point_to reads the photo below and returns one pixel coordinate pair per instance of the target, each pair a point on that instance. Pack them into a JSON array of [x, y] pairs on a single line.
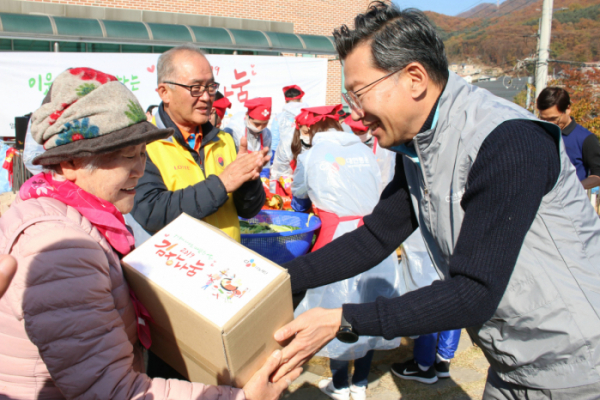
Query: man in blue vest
[[581, 145], [505, 220]]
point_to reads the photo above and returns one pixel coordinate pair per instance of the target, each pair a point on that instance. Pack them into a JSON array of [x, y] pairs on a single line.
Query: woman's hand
[[8, 267], [261, 388]]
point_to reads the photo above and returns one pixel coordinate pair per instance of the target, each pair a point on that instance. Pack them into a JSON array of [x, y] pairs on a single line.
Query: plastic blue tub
[[265, 173], [281, 247]]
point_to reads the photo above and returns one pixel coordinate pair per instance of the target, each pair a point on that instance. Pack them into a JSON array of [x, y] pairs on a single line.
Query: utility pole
[[541, 72], [528, 101]]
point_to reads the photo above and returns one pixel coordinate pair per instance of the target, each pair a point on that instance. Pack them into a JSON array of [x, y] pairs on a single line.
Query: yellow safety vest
[[179, 170]]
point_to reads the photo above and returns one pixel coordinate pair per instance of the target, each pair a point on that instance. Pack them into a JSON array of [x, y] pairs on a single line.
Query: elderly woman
[[68, 325]]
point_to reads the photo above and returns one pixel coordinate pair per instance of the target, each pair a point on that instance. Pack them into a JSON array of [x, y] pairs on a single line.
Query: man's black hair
[[291, 93], [218, 95], [397, 38], [151, 108], [554, 96]]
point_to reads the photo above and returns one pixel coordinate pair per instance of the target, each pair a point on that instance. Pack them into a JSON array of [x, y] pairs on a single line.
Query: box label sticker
[[212, 274]]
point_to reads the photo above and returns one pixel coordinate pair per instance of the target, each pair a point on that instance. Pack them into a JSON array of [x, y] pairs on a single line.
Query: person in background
[[341, 178], [220, 106], [8, 268], [285, 123], [582, 146], [432, 354], [150, 112], [252, 126], [293, 95], [70, 326], [385, 159], [197, 170], [302, 140]]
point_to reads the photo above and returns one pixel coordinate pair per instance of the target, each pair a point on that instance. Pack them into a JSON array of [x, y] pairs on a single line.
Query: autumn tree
[[583, 85]]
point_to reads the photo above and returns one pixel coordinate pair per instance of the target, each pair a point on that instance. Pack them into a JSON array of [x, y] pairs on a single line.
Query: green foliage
[[575, 14], [521, 98], [532, 22], [557, 48]]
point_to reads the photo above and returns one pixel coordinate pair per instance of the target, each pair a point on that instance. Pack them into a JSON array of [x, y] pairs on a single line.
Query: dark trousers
[[339, 371]]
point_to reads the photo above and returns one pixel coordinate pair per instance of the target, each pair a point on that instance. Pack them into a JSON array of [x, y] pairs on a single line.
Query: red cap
[[221, 105], [356, 126], [259, 108], [299, 97], [310, 116]]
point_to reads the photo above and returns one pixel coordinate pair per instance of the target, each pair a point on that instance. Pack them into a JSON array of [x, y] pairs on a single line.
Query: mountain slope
[[478, 11], [500, 36]]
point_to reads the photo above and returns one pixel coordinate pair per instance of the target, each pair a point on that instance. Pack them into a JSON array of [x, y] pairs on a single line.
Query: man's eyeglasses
[[554, 120], [351, 98], [198, 90]]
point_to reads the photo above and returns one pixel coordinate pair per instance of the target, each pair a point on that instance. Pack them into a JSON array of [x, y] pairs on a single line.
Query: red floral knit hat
[[89, 112]]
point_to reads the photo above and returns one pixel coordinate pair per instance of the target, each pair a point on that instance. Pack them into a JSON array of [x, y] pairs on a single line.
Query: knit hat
[[312, 115], [298, 97], [89, 112], [356, 126], [221, 105], [259, 108]]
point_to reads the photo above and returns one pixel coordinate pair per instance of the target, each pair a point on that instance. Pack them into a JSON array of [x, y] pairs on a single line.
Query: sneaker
[[442, 369], [326, 386], [358, 392], [410, 370]]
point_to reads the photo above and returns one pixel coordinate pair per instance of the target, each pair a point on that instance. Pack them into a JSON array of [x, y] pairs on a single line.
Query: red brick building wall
[[313, 17]]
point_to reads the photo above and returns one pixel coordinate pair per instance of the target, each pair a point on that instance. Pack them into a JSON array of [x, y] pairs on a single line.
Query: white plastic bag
[[417, 269], [5, 185], [340, 175], [283, 155], [387, 164], [31, 151]]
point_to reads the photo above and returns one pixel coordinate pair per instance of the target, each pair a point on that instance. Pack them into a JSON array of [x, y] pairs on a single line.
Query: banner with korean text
[[26, 77]]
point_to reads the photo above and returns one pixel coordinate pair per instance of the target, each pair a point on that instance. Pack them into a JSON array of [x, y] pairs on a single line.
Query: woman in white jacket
[[340, 177]]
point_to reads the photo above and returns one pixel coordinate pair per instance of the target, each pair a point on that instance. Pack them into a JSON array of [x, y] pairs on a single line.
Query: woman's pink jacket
[[67, 324]]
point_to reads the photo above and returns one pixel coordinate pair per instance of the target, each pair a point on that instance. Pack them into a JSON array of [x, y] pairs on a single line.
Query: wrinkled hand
[[313, 329], [246, 167], [8, 267], [260, 388]]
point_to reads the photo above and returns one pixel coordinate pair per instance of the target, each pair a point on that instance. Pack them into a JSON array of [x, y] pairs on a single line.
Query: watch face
[[347, 336]]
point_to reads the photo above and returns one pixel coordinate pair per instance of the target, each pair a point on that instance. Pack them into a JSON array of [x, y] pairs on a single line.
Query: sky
[[453, 7]]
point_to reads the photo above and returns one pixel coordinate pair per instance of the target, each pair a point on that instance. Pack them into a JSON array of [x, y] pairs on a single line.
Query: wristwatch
[[346, 334]]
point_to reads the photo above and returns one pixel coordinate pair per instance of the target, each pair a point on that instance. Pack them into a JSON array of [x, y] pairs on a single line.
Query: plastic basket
[[265, 173], [281, 247]]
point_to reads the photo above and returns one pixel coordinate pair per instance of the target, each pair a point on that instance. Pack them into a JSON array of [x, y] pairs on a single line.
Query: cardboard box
[[215, 303], [6, 200]]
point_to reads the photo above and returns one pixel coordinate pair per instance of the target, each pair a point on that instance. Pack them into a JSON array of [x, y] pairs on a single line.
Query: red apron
[[278, 188], [329, 224]]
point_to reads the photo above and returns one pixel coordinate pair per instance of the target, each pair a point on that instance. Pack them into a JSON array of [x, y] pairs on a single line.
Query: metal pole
[[56, 47], [541, 75], [529, 84]]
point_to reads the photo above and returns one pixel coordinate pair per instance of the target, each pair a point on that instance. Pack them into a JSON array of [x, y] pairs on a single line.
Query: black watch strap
[[346, 334]]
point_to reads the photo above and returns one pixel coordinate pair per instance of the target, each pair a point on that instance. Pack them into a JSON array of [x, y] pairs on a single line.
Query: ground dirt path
[[468, 370]]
